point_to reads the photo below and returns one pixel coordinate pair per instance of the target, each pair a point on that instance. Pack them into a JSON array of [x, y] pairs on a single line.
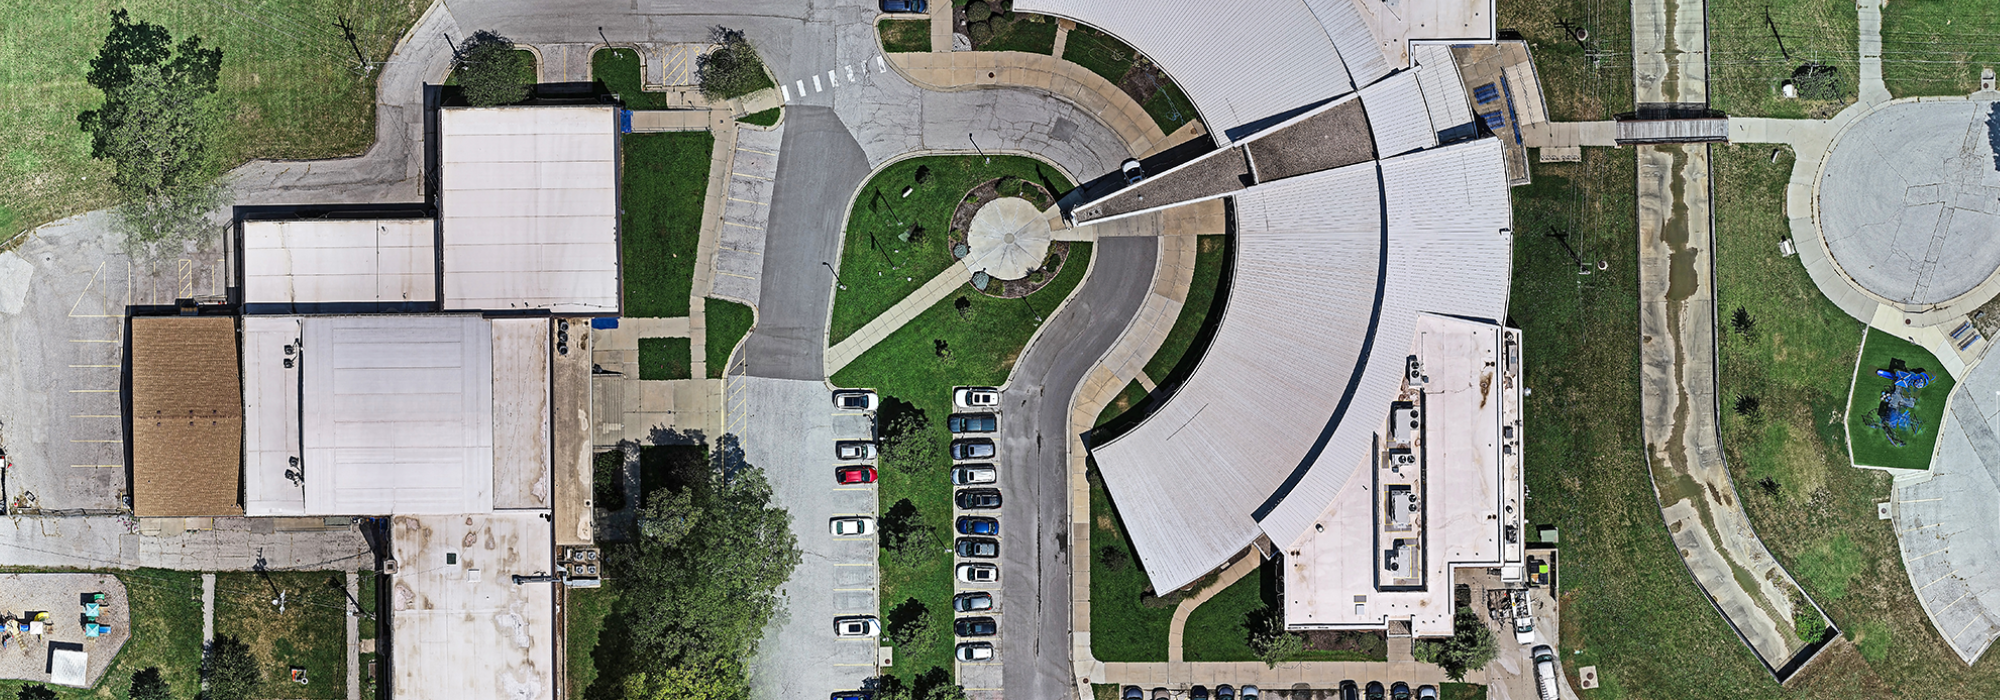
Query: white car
[[853, 527], [974, 474], [975, 651], [854, 400], [976, 397], [858, 626], [978, 573], [853, 449]]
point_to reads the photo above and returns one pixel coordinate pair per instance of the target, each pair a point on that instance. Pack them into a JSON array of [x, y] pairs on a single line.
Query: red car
[[854, 475]]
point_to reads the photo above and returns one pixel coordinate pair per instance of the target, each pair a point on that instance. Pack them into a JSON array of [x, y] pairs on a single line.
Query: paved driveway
[[818, 169]]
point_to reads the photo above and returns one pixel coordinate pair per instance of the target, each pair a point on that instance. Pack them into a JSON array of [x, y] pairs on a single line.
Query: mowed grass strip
[[665, 358], [618, 70], [981, 346], [877, 267], [585, 622], [310, 633], [904, 35], [1130, 396], [1099, 52], [1126, 622], [1022, 32], [1938, 47], [291, 87], [1748, 68], [665, 178], [1195, 310], [1871, 445], [728, 322], [1578, 83]]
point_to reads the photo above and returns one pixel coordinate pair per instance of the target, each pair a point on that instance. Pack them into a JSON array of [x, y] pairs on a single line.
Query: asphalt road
[[818, 167], [1035, 582]]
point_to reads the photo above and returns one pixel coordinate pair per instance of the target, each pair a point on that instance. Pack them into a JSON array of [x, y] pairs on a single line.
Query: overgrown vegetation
[[588, 611], [1582, 51], [1938, 47], [309, 631], [895, 243], [157, 128], [767, 117], [904, 35], [665, 358], [664, 180], [1469, 647], [728, 322], [732, 69], [1815, 50], [1131, 72], [491, 71]]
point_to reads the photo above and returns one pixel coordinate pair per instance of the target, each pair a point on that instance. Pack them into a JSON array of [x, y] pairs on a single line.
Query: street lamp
[[975, 148]]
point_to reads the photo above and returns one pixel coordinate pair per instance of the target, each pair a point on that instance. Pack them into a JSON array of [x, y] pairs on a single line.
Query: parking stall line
[[816, 86], [881, 67], [831, 80]]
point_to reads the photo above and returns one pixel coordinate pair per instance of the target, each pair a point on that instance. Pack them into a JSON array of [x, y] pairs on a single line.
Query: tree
[[732, 68], [148, 685], [669, 517], [157, 128], [489, 70], [35, 692], [229, 670], [908, 445], [1268, 637], [910, 623], [685, 684], [1468, 648]]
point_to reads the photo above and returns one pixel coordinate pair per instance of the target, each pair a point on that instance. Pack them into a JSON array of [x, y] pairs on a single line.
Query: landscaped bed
[[664, 179], [767, 117], [878, 267], [1126, 68], [309, 633], [665, 358], [1894, 421]]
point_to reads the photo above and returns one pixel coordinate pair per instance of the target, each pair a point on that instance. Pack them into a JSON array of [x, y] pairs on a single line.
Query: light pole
[[975, 148]]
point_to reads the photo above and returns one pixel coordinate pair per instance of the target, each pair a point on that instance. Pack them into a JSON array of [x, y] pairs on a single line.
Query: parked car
[[1399, 691], [978, 573], [1134, 172], [972, 602], [1545, 671], [853, 527], [853, 695], [1162, 694], [1248, 692], [978, 547], [917, 6], [976, 448], [1349, 691], [1375, 690], [975, 525], [854, 400], [854, 475], [979, 499], [1199, 692], [972, 422], [853, 449], [1132, 692], [975, 627], [856, 626], [1427, 692], [968, 474], [976, 397], [1224, 692], [975, 651]]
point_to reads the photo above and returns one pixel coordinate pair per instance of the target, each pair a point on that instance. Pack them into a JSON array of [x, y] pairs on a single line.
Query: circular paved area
[[1909, 201], [1008, 237]]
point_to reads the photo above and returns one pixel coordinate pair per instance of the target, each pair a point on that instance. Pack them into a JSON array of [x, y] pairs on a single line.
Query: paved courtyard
[[1948, 519], [1910, 197]]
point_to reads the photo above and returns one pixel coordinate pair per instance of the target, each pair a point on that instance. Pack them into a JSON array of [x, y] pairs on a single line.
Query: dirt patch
[[1142, 81], [1338, 640]]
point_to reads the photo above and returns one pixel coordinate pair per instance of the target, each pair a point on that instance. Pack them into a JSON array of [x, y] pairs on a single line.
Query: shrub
[[1113, 558], [733, 69], [978, 11], [489, 70], [148, 685], [1468, 648], [981, 32]]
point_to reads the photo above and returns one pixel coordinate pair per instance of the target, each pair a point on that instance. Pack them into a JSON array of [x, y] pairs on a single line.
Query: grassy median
[[728, 322]]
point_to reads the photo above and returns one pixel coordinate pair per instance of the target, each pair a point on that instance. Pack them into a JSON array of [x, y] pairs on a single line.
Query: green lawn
[[618, 71], [1210, 254], [1219, 630], [1170, 108], [1018, 32], [525, 69], [1937, 47], [310, 633], [367, 594], [1124, 401], [1871, 445], [904, 35], [767, 117], [1099, 52], [294, 93], [1747, 68], [728, 322], [587, 613], [162, 602], [665, 358], [982, 345], [877, 268], [1126, 624], [1575, 86], [1461, 691], [665, 179]]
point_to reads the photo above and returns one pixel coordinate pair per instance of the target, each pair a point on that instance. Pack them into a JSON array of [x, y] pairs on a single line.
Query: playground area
[[51, 619], [1897, 404]]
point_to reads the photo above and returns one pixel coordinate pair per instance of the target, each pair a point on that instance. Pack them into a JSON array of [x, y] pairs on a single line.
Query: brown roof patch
[[187, 417]]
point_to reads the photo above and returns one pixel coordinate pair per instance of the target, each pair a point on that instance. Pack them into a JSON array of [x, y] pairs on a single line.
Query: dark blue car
[[975, 525], [904, 6]]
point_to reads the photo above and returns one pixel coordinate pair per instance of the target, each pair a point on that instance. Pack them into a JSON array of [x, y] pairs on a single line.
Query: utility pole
[[1562, 237], [1576, 33], [347, 29], [1775, 34], [976, 149]]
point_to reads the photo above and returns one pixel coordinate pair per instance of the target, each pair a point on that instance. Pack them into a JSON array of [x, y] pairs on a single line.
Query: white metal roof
[[398, 415], [521, 413], [1244, 63], [463, 628], [1348, 28], [271, 415], [339, 261], [530, 208], [1397, 116], [1444, 91]]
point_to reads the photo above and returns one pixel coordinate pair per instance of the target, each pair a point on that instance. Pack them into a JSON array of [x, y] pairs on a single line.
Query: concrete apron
[[1670, 52], [1684, 455]]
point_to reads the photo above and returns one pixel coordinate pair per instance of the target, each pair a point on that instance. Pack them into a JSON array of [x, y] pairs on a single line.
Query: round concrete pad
[[1008, 238], [1910, 199]]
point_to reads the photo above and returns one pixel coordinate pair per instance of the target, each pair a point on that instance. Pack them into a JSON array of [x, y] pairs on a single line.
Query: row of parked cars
[[976, 484], [1348, 691], [854, 465]]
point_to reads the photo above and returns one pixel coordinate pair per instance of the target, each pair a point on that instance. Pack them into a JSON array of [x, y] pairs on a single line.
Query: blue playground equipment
[[1905, 378]]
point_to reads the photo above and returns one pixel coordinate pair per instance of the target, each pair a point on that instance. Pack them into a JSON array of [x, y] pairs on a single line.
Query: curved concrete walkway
[[1177, 630], [968, 70]]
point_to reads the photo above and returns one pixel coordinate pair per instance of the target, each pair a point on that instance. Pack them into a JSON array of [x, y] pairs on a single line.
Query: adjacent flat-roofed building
[[187, 416], [462, 627], [339, 265]]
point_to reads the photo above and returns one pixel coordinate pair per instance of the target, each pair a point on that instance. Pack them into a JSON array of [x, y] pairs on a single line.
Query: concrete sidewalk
[[1176, 631], [889, 321], [219, 544], [966, 70]]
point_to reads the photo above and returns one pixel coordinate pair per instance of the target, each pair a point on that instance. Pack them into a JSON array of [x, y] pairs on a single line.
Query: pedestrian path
[[941, 26], [1243, 566], [353, 637], [889, 321], [963, 70], [207, 608], [733, 259]]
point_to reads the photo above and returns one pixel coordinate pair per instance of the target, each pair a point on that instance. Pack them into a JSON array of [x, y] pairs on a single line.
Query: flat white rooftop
[[530, 206], [354, 264], [463, 628]]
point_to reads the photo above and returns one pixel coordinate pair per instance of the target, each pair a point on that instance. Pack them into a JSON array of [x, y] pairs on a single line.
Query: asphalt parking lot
[[788, 429], [62, 311]]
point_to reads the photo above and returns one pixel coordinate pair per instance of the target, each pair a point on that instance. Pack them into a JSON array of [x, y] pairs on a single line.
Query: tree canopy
[[229, 670], [732, 69], [489, 70], [157, 127], [148, 685], [1469, 648]]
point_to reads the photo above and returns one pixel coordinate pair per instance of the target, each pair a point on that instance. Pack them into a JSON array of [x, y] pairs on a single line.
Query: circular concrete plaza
[[1007, 238], [1909, 201]]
